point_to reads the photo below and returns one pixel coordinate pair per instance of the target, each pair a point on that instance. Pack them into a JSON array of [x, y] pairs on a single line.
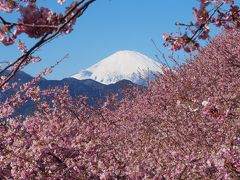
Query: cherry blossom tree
[[186, 125]]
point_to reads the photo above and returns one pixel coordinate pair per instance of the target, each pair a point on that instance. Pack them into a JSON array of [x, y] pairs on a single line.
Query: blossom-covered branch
[[37, 23], [219, 13]]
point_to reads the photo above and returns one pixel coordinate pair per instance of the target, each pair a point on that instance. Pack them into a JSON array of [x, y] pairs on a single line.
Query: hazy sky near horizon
[[107, 27]]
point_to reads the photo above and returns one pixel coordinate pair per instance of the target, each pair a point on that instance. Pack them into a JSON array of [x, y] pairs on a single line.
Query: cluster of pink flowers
[[220, 13], [34, 21], [34, 16]]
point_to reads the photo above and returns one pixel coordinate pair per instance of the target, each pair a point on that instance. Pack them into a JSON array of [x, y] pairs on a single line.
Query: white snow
[[129, 65]]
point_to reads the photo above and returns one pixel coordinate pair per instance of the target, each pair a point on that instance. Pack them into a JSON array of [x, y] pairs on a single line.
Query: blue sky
[[106, 27]]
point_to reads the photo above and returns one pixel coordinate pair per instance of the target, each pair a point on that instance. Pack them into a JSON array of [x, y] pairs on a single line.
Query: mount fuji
[[122, 65]]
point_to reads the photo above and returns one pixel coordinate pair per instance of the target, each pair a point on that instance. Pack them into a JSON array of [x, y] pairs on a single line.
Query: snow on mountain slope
[[129, 65]]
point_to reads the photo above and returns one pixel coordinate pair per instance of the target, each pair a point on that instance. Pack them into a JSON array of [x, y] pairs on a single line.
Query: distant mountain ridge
[[90, 88], [129, 65]]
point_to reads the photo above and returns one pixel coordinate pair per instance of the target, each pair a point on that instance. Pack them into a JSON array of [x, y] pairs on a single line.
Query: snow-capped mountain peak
[[129, 65]]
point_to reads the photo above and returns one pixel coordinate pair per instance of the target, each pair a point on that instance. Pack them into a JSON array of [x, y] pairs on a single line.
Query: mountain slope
[[129, 65]]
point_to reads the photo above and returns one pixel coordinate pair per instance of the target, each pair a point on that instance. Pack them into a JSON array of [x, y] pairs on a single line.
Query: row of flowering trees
[[186, 125]]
